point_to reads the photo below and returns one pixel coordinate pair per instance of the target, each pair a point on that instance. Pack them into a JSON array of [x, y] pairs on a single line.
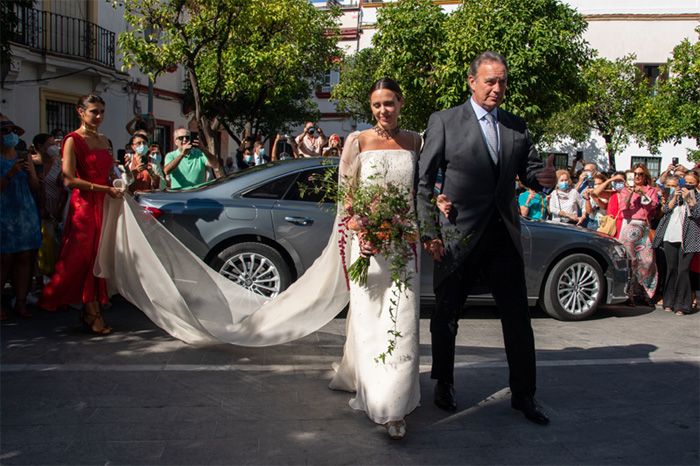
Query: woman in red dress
[[86, 170]]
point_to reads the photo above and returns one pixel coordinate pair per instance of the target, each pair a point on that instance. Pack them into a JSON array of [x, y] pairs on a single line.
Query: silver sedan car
[[261, 229]]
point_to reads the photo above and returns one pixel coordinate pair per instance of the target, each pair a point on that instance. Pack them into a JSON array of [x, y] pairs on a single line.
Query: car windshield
[[215, 181]]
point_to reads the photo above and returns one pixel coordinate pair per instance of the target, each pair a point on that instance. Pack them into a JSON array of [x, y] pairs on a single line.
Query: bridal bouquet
[[381, 218], [380, 215]]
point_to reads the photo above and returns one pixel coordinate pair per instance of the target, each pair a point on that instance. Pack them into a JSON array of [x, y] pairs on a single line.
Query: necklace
[[386, 133], [89, 131]]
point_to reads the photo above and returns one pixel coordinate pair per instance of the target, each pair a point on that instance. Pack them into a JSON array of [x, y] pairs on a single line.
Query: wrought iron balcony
[[62, 35]]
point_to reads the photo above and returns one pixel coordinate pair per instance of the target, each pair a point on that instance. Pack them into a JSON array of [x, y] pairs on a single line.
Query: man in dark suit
[[480, 149]]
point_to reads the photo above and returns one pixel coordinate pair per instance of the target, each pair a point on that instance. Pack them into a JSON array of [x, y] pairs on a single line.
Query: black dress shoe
[[445, 396], [532, 411]]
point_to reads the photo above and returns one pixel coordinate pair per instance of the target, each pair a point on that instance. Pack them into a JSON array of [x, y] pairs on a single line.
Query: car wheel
[[574, 288], [255, 266]]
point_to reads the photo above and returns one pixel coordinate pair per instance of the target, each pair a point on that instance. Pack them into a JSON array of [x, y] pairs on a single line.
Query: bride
[[146, 265]]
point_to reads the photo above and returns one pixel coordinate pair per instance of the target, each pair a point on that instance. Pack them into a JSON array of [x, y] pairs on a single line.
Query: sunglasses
[[10, 130], [182, 138], [638, 173]]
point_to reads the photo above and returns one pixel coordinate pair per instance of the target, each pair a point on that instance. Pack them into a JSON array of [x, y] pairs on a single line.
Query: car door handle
[[303, 221]]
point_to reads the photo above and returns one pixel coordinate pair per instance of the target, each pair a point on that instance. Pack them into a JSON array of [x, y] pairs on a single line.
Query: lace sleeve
[[349, 160]]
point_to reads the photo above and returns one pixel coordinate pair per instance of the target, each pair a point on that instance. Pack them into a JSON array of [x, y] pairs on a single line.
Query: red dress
[[73, 280]]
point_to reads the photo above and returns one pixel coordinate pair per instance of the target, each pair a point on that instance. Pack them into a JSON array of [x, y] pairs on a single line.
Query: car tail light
[[156, 213]]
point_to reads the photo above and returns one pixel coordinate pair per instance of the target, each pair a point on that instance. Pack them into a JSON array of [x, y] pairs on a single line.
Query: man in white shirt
[[311, 141]]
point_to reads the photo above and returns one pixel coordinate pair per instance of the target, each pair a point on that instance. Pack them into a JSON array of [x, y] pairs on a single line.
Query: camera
[[674, 161], [590, 183], [311, 130]]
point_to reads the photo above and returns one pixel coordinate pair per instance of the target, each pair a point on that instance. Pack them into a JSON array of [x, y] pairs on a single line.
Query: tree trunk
[[611, 152], [203, 122]]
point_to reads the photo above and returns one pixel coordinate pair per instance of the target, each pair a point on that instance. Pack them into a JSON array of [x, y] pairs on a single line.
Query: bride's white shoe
[[396, 429]]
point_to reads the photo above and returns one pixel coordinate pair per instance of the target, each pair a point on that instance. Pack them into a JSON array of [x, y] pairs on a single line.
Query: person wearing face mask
[[595, 207], [566, 204], [259, 157], [634, 207], [247, 158], [156, 160], [678, 234], [145, 179], [607, 193], [20, 231], [589, 171], [52, 199]]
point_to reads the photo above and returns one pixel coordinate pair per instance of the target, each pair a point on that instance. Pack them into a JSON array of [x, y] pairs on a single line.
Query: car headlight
[[619, 252]]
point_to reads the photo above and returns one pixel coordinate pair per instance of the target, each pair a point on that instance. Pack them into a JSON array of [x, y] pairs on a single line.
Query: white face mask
[[141, 149], [53, 151]]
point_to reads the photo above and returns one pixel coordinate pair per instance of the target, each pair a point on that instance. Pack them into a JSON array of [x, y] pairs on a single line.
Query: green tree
[[406, 47], [249, 63], [673, 112], [429, 53], [543, 43], [615, 90]]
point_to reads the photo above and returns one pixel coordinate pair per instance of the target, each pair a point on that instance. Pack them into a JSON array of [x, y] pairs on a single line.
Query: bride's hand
[[366, 249], [435, 248], [114, 193], [444, 204]]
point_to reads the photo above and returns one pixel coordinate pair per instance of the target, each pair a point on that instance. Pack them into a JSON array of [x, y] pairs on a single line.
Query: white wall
[[650, 41]]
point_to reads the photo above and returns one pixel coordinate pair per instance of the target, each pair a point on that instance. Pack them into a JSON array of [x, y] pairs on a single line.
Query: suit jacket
[[477, 187]]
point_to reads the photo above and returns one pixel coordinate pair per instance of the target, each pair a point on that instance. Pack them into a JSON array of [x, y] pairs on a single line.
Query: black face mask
[[690, 187]]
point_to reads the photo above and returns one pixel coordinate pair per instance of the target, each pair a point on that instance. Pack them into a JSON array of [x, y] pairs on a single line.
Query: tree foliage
[[673, 112], [250, 63], [406, 47], [8, 28], [615, 90], [428, 52]]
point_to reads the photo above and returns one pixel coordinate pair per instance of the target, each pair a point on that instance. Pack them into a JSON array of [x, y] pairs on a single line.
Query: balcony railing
[[73, 37]]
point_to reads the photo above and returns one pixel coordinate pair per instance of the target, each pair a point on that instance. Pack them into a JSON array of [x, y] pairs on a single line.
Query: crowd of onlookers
[[657, 220], [43, 213]]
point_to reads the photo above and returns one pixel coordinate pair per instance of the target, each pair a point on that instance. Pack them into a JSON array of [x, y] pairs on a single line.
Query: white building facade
[[650, 29], [68, 48]]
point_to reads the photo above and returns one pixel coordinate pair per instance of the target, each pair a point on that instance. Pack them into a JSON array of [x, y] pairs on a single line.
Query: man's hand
[[444, 204], [547, 176], [186, 146], [435, 248]]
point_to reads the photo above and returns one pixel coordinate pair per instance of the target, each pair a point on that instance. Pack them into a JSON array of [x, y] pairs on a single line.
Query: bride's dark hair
[[387, 83]]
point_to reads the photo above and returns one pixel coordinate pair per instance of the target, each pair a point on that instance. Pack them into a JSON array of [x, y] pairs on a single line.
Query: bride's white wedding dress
[[149, 267]]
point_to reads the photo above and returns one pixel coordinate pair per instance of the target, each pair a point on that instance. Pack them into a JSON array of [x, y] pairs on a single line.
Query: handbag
[[608, 225]]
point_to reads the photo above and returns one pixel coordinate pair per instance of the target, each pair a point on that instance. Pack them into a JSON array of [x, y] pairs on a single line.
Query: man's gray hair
[[487, 56]]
